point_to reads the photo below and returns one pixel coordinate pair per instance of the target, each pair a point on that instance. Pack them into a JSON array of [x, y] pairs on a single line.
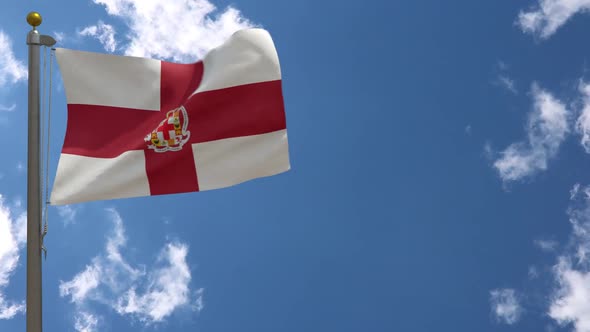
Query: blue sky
[[439, 175]]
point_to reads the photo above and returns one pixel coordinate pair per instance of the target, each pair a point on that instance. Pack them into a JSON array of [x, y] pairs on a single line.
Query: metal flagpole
[[34, 296]]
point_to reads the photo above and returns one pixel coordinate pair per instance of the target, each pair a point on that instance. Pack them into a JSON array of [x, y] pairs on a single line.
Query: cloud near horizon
[[569, 294], [105, 33], [13, 237], [546, 129], [146, 295], [570, 300], [583, 121], [11, 69], [505, 305], [547, 16]]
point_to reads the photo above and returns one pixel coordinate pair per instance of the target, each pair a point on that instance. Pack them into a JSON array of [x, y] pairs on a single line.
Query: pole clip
[[34, 38], [43, 240]]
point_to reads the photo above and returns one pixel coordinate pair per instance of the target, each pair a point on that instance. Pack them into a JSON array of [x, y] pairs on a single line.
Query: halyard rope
[[46, 140]]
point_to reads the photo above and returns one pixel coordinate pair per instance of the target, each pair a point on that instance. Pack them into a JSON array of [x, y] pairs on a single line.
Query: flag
[[141, 127]]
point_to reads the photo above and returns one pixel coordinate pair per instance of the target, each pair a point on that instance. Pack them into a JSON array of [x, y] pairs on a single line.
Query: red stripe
[[171, 172], [174, 171], [106, 132], [178, 82], [243, 110]]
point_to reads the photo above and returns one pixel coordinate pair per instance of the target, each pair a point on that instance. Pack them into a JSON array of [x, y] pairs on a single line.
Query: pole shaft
[[34, 291]]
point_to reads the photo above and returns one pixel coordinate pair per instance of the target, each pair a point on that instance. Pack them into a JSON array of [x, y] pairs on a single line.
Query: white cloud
[[549, 15], [488, 151], [176, 29], [570, 302], [149, 296], [13, 237], [546, 245], [505, 305], [86, 322], [583, 122], [116, 263], [546, 129], [105, 33], [59, 36], [569, 296], [507, 83], [9, 310], [579, 217], [167, 288], [82, 284], [199, 304], [10, 108], [575, 190], [11, 69], [67, 213]]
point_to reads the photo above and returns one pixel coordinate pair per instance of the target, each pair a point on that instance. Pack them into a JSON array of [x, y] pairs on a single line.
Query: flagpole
[[34, 290]]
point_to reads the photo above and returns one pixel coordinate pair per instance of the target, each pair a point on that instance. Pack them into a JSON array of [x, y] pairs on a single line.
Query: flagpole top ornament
[[34, 19]]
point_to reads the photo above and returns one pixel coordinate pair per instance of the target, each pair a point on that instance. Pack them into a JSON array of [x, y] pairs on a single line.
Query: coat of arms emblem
[[171, 134]]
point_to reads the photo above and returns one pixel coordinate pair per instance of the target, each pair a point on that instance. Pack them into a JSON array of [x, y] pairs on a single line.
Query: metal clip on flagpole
[[34, 298]]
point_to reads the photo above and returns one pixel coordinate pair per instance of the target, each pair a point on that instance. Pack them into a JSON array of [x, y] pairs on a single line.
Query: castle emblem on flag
[[171, 134]]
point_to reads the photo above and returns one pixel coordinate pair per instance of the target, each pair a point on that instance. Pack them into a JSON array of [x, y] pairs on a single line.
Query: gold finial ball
[[34, 19]]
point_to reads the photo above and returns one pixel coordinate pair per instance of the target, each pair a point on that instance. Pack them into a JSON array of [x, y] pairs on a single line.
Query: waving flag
[[140, 127]]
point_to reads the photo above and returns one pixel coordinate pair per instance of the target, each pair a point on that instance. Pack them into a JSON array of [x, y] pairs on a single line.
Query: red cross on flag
[[140, 127]]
